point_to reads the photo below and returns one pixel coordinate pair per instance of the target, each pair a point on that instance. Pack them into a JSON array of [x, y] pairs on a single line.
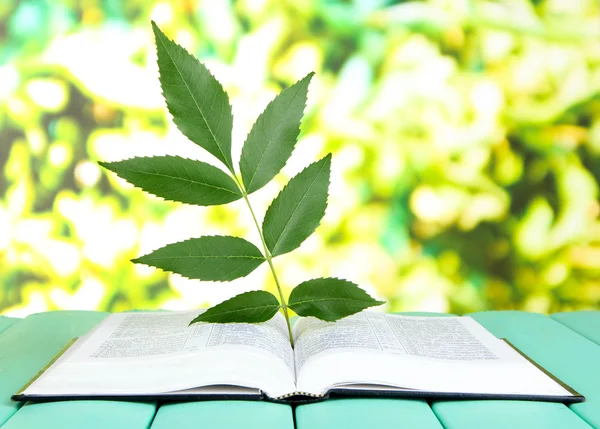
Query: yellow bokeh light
[[50, 94], [465, 148]]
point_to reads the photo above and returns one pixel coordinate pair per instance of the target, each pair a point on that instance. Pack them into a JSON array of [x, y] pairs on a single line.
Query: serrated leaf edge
[[235, 311], [229, 166], [374, 301], [249, 184], [106, 165], [334, 299], [262, 257], [302, 199]]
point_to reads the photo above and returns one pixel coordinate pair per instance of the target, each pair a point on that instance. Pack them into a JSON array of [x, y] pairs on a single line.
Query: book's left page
[[157, 353]]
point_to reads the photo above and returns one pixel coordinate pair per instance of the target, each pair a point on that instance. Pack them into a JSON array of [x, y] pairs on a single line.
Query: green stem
[[269, 259]]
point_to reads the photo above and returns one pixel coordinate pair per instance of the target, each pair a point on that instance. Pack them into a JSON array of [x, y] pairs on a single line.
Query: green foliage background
[[466, 141]]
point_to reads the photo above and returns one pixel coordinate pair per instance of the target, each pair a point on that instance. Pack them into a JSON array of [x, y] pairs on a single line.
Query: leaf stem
[[269, 261]]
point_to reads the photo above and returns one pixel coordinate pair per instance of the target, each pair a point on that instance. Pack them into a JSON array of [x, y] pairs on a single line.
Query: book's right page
[[433, 354]]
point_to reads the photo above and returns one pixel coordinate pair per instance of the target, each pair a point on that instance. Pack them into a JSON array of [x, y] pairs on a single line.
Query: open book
[[155, 355]]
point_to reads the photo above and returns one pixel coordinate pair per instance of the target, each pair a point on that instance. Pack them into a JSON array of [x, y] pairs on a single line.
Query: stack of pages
[[156, 355]]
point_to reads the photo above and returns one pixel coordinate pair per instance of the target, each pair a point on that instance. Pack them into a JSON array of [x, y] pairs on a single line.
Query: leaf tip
[[326, 162], [308, 77], [198, 319], [155, 27]]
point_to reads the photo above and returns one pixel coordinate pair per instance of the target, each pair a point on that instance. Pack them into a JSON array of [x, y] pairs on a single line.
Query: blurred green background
[[466, 141]]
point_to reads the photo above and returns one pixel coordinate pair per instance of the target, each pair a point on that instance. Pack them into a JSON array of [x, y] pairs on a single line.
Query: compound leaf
[[273, 137], [329, 299], [250, 307], [197, 101], [178, 179], [298, 209], [212, 258]]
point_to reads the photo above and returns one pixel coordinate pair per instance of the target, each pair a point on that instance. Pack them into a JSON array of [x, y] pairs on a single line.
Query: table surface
[[567, 344]]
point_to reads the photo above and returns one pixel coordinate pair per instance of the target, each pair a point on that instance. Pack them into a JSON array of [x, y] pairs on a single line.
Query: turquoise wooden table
[[567, 344]]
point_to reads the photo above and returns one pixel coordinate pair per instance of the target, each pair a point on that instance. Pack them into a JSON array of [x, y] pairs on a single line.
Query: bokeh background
[[465, 134]]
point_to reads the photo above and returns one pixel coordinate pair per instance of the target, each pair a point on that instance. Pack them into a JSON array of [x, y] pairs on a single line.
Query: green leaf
[[250, 307], [298, 209], [329, 299], [215, 258], [273, 137], [197, 101], [178, 179]]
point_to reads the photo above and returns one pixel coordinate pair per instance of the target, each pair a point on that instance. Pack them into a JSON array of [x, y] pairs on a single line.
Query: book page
[[442, 354], [139, 335], [151, 352], [446, 338]]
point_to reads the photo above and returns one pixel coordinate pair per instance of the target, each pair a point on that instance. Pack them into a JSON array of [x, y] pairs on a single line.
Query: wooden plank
[[586, 323], [506, 415], [26, 347], [568, 355], [6, 322], [366, 413], [224, 414], [82, 414], [538, 341]]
